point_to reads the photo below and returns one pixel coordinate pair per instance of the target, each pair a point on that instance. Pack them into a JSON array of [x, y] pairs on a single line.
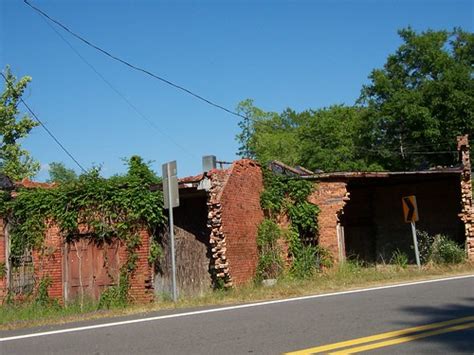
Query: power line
[[137, 68], [122, 96], [44, 126]]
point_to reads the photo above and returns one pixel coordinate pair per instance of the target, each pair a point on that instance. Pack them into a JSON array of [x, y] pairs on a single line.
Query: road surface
[[424, 317]]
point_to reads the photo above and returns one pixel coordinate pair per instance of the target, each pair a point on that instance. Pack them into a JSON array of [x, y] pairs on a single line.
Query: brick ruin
[[467, 210], [227, 204], [234, 216]]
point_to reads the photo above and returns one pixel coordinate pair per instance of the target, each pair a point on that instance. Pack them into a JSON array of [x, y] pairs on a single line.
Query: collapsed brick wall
[[330, 197], [467, 208], [3, 275], [235, 214], [217, 239]]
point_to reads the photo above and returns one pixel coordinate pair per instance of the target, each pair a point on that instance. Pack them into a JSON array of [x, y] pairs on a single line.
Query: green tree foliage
[[329, 140], [420, 100], [407, 117], [60, 174], [324, 139], [15, 162], [264, 133]]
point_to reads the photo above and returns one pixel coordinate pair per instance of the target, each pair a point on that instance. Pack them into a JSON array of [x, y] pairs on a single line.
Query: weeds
[[400, 259]]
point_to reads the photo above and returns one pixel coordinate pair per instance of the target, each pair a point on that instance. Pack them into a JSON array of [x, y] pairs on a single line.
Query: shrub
[[304, 262], [425, 241], [270, 263], [446, 251], [399, 258]]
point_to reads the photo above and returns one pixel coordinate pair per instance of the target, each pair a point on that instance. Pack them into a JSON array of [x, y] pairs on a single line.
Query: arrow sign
[[410, 209]]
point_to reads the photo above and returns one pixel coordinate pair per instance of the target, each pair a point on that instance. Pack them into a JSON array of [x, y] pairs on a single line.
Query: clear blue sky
[[298, 54]]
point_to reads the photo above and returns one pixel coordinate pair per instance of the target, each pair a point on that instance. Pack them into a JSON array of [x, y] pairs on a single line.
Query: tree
[[420, 100], [267, 136], [60, 174], [328, 140], [324, 139], [15, 162]]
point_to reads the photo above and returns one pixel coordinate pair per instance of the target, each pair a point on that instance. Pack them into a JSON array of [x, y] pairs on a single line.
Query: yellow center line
[[380, 336], [404, 339]]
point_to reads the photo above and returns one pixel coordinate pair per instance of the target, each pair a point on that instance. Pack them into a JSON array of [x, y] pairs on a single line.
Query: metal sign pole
[[171, 223], [415, 243]]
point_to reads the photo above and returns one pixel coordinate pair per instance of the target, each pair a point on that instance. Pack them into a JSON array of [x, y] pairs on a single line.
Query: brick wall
[[330, 197], [3, 279], [241, 215], [48, 262], [141, 281]]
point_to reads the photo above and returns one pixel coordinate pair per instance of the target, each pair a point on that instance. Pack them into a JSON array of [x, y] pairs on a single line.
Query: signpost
[[410, 213], [171, 200]]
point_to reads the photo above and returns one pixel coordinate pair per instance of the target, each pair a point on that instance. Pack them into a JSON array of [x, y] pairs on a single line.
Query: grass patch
[[351, 275]]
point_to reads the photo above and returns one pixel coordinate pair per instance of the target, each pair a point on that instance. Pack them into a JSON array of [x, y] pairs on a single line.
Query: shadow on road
[[456, 342]]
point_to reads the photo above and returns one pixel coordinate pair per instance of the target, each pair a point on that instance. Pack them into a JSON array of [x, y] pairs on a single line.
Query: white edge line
[[223, 309]]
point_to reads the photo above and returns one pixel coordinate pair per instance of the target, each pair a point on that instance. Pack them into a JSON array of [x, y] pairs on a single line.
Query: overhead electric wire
[[45, 128], [122, 96], [133, 66]]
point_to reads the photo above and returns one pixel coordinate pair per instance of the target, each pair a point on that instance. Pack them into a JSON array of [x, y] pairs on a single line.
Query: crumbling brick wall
[[235, 214], [467, 208], [330, 197], [3, 276]]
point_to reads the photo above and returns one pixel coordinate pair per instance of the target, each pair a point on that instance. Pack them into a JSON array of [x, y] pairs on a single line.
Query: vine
[[284, 195], [92, 206]]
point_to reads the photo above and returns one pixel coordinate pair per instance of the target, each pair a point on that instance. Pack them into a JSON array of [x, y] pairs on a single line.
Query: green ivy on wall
[[288, 196], [118, 207]]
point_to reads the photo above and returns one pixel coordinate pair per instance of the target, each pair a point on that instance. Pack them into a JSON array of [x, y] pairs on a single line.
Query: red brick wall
[[141, 286], [48, 262], [241, 215], [330, 197]]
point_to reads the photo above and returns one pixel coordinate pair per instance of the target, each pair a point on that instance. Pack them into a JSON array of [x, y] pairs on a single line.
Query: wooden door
[[90, 269]]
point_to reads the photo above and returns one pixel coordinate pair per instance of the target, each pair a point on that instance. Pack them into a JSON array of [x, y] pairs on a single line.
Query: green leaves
[[421, 100], [116, 207], [15, 162]]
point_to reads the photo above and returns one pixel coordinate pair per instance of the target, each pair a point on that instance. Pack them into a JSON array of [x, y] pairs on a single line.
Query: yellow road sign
[[410, 209]]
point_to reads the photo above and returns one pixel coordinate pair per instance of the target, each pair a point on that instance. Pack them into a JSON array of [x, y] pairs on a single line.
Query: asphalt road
[[273, 328]]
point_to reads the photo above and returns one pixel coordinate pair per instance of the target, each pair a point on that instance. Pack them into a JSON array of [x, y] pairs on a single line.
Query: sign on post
[[410, 209], [170, 185], [410, 213], [171, 200]]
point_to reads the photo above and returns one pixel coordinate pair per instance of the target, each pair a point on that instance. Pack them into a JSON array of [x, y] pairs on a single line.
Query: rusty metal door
[[90, 268]]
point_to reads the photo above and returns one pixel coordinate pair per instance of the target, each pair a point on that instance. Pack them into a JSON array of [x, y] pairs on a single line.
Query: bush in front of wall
[[270, 262], [446, 251]]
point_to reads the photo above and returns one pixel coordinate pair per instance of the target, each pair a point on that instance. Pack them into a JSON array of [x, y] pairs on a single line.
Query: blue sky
[[298, 54]]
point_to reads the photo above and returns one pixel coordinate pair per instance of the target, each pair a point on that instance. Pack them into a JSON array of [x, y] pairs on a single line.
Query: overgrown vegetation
[[446, 251], [270, 262], [115, 208], [439, 249], [286, 196], [400, 259]]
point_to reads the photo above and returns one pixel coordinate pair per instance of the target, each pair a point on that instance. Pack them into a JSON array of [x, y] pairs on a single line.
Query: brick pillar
[[467, 209], [3, 274], [331, 198], [141, 280], [48, 262]]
